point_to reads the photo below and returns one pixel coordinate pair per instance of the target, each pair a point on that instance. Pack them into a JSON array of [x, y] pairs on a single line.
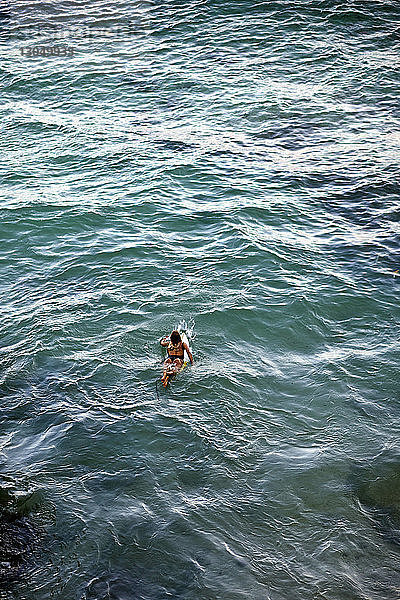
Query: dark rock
[[376, 485], [18, 534]]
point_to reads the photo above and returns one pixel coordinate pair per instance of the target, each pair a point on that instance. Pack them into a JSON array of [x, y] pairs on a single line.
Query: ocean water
[[231, 167]]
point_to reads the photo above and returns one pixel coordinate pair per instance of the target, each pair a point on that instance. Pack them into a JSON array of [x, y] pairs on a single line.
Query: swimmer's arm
[[164, 341], [186, 347]]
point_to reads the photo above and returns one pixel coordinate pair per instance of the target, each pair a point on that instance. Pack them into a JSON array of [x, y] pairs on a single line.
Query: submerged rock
[[18, 534], [377, 487], [16, 545]]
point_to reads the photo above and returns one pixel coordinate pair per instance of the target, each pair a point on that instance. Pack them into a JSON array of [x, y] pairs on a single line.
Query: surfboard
[[186, 359]]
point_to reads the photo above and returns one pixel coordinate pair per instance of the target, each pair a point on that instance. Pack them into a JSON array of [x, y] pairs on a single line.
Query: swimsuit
[[174, 356]]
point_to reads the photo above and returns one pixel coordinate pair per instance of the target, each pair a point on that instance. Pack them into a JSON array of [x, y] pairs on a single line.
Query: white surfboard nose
[[185, 341]]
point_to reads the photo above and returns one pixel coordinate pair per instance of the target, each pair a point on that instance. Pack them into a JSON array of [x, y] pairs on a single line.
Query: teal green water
[[232, 167]]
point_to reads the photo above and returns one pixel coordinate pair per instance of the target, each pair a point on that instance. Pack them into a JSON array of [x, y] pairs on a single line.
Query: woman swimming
[[174, 361]]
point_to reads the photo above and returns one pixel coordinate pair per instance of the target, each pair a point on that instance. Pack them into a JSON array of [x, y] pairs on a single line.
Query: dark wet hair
[[175, 337]]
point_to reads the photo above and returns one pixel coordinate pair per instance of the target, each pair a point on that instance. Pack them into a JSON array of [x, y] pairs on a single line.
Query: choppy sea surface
[[231, 167]]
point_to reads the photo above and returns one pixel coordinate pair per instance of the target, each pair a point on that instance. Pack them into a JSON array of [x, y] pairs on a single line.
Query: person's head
[[175, 337]]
